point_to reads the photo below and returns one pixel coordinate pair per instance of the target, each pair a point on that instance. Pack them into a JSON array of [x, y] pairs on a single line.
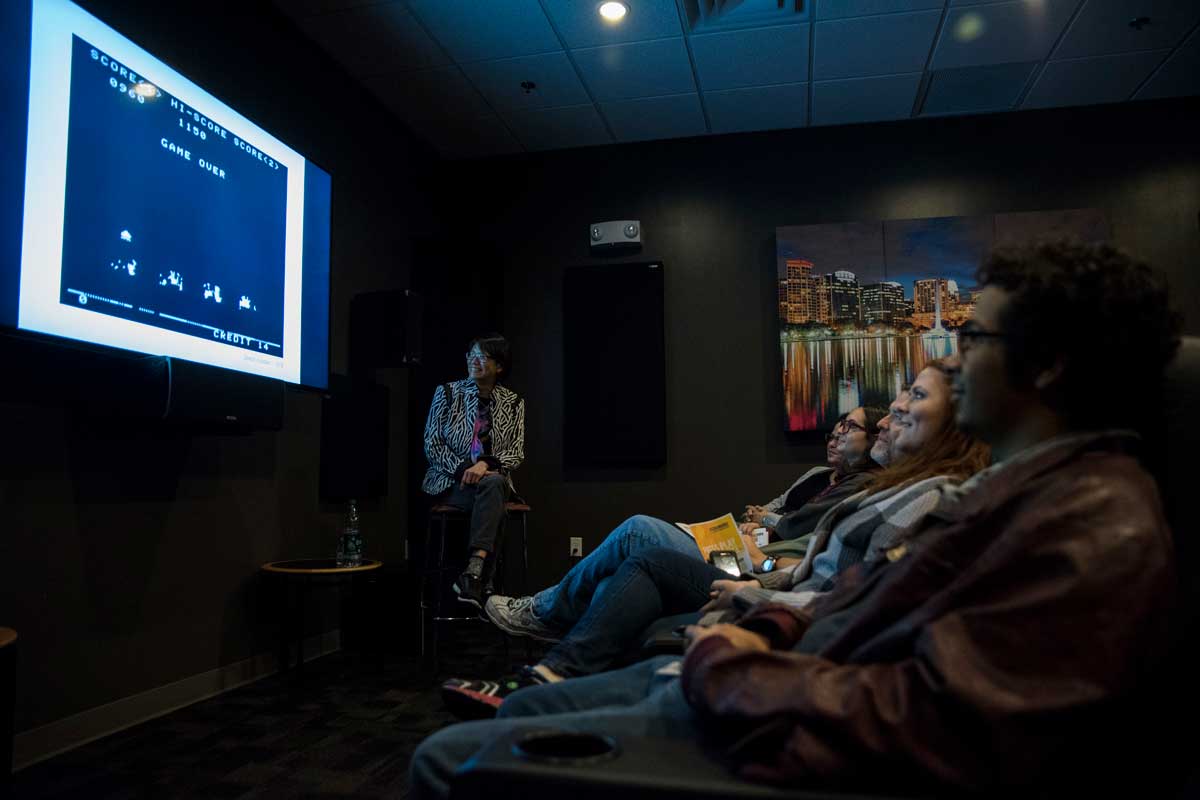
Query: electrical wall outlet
[[577, 546]]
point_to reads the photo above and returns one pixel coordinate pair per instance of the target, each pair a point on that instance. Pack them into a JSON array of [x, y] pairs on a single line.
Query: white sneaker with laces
[[514, 616]]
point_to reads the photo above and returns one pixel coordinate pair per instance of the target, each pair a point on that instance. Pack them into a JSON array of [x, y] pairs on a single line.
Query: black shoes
[[469, 589]]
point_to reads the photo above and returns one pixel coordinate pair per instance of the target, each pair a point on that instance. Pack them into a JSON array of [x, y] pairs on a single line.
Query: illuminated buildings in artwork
[[845, 298], [926, 297], [800, 297], [883, 302]]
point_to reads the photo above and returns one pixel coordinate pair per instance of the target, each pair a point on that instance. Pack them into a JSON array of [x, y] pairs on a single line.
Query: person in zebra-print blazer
[[474, 439]]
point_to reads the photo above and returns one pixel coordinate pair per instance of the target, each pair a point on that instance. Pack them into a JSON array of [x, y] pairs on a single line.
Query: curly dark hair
[[1105, 315]]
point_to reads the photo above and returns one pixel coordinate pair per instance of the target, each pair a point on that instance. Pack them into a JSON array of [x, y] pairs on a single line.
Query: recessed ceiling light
[[613, 12]]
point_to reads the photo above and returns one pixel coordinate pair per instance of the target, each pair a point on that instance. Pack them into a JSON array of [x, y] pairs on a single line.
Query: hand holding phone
[[726, 561]]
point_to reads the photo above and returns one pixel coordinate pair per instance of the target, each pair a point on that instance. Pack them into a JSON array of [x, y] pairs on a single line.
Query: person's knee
[[491, 483], [533, 701], [439, 755], [516, 705], [636, 527]]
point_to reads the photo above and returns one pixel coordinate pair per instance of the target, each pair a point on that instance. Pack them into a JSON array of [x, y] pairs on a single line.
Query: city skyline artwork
[[863, 306]]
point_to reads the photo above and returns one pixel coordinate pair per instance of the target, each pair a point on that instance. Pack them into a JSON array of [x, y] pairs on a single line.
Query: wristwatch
[[768, 564]]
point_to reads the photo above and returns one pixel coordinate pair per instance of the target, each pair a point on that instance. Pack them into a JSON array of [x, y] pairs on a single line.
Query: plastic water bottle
[[350, 544]]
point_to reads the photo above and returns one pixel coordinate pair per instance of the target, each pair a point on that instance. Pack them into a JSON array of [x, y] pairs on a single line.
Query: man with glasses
[[474, 439]]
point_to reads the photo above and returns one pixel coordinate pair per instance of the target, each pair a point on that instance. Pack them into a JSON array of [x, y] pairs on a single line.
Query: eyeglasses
[[477, 356], [844, 428], [971, 335]]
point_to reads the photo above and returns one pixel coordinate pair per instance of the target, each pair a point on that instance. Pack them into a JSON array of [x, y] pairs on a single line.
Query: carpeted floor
[[346, 730]]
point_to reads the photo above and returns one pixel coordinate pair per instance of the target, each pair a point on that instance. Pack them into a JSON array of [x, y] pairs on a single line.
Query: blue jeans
[[630, 702], [650, 584], [565, 603]]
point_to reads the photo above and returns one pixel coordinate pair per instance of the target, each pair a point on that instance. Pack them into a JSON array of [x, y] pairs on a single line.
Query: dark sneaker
[[514, 616], [469, 589], [479, 699]]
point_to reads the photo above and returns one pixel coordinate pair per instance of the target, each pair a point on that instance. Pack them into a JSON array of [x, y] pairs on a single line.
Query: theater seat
[[1150, 753]]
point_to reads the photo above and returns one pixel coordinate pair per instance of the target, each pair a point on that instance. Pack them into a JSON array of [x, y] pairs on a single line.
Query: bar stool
[[435, 573]]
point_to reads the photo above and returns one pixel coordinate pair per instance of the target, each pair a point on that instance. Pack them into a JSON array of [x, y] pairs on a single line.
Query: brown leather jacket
[[1005, 633]]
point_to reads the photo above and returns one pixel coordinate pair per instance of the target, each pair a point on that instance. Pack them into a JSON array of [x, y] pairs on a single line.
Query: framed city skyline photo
[[863, 306]]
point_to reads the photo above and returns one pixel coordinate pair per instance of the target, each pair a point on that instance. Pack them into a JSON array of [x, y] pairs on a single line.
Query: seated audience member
[[789, 546], [927, 452], [474, 439], [848, 452], [555, 610], [989, 653]]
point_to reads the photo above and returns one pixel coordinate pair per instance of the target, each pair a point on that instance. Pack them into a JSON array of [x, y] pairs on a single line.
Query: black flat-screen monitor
[[140, 212]]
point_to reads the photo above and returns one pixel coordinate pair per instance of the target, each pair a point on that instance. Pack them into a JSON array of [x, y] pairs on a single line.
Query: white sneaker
[[514, 616]]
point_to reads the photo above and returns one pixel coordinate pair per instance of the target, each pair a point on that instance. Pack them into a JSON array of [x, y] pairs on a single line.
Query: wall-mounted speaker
[[385, 330], [621, 234]]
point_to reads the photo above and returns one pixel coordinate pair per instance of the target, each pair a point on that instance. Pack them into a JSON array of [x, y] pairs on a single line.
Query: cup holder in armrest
[[565, 748]]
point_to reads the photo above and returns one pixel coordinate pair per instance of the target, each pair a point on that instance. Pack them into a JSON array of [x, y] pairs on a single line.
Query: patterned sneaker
[[479, 699], [514, 616]]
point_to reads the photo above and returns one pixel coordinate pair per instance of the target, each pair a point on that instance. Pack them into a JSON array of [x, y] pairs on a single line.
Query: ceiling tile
[[434, 93], [1001, 33], [551, 128], [552, 73], [711, 16], [886, 45], [990, 88], [656, 117], [581, 25], [1179, 76], [864, 99], [841, 9], [1102, 27], [644, 69], [759, 108], [375, 39], [468, 138], [758, 57], [1083, 81], [474, 31]]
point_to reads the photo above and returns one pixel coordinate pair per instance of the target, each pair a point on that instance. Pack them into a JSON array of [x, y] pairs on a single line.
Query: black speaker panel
[[385, 330], [614, 370]]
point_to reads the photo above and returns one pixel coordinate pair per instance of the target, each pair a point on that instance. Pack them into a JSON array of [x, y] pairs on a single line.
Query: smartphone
[[726, 561]]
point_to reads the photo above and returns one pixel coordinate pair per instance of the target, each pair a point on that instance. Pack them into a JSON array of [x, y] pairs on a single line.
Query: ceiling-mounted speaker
[[621, 234]]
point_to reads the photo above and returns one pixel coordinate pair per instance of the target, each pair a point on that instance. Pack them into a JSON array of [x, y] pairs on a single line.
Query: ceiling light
[[613, 12], [970, 27]]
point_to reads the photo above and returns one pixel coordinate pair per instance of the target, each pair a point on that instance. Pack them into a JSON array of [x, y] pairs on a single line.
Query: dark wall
[[129, 553], [709, 209]]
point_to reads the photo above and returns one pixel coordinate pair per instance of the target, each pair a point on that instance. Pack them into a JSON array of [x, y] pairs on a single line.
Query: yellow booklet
[[719, 534]]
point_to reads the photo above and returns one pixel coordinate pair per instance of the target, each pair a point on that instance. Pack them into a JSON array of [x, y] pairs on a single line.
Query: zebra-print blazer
[[451, 427]]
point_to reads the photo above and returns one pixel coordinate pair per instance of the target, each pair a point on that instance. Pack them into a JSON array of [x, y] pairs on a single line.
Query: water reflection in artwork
[[825, 378]]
